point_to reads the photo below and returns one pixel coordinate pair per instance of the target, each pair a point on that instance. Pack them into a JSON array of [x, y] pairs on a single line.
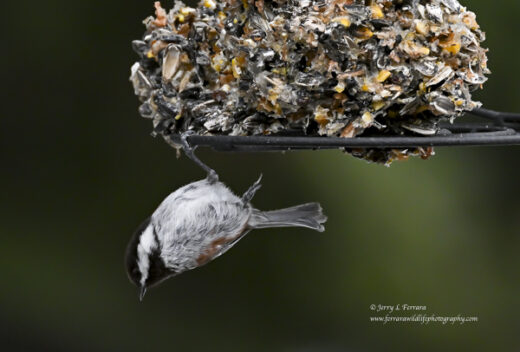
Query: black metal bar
[[504, 130], [251, 143]]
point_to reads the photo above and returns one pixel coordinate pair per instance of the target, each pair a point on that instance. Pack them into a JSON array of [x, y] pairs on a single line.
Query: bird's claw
[[250, 193], [190, 153]]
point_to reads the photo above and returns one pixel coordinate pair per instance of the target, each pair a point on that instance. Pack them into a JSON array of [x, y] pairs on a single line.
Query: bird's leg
[[190, 153], [250, 193]]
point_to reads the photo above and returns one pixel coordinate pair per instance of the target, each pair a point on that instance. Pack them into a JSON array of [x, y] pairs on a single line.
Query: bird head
[[144, 265]]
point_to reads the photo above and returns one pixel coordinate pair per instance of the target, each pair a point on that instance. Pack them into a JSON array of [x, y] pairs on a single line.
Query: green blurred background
[[80, 171]]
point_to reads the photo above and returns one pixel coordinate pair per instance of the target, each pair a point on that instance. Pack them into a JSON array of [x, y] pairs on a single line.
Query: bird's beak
[[142, 291]]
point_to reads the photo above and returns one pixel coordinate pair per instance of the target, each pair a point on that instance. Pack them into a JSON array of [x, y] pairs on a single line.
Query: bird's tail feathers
[[308, 215]]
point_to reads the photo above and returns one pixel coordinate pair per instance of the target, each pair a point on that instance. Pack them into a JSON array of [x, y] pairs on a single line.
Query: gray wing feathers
[[184, 238], [308, 215]]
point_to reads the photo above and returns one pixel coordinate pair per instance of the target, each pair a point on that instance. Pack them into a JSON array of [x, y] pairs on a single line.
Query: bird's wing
[[230, 228], [202, 231]]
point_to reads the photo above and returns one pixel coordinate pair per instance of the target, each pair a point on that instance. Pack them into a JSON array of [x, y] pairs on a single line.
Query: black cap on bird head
[[144, 265]]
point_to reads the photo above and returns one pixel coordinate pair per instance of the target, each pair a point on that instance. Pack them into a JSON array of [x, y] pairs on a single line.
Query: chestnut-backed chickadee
[[199, 222]]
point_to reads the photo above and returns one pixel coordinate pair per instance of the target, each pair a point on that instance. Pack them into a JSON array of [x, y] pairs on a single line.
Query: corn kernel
[[377, 13], [424, 51], [454, 48], [383, 75], [210, 4], [343, 20]]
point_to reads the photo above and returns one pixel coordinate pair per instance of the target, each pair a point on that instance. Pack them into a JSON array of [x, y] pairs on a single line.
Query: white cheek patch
[[147, 240], [143, 263], [146, 245]]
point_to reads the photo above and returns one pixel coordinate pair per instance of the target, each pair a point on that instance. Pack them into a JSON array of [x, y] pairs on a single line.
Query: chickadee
[[199, 222]]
